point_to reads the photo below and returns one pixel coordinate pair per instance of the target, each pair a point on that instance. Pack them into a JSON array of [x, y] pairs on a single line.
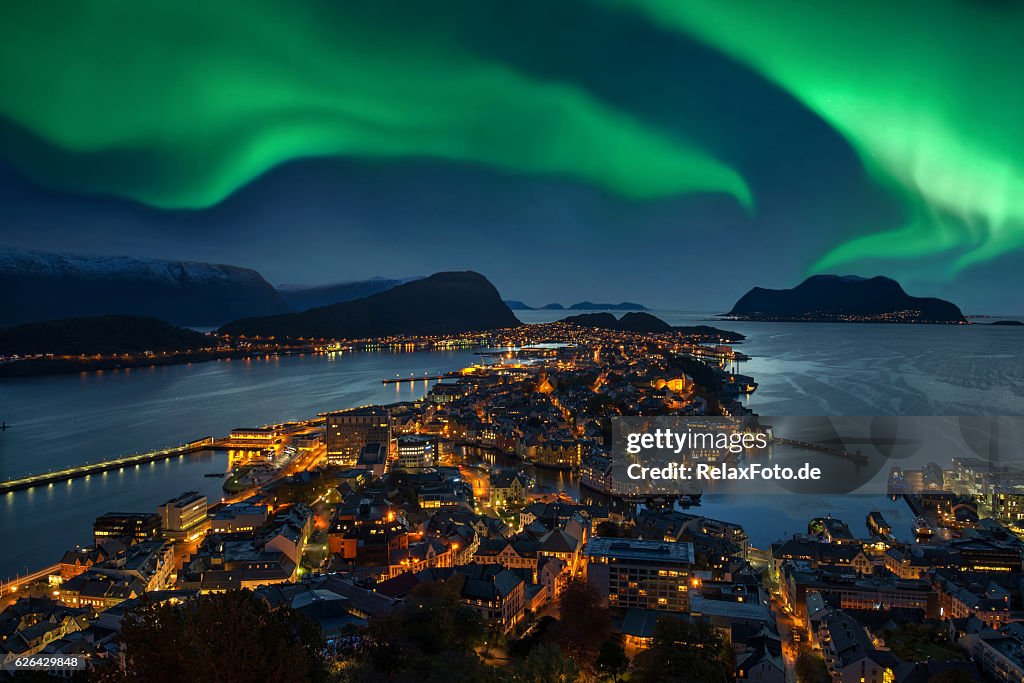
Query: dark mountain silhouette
[[838, 298], [645, 323], [581, 306], [303, 298], [106, 334], [591, 306], [44, 286], [443, 303], [605, 321]]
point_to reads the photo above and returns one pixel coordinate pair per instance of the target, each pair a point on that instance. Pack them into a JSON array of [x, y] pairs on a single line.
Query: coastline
[[38, 367]]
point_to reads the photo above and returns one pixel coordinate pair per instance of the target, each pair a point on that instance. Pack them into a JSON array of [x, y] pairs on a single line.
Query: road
[[11, 590]]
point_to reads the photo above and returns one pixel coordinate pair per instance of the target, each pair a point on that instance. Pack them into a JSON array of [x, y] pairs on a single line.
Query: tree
[[584, 622], [611, 660], [547, 664], [684, 652], [810, 668], [225, 637], [431, 637]]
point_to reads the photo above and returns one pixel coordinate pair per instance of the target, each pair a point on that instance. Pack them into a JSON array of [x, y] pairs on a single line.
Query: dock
[[419, 378], [46, 478], [855, 456]]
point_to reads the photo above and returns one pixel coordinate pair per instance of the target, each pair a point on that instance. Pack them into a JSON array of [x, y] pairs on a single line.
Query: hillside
[[304, 298], [48, 286], [108, 334], [645, 323], [443, 303], [834, 298]]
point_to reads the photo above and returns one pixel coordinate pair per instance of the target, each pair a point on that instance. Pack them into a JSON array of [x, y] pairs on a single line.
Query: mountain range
[[41, 286]]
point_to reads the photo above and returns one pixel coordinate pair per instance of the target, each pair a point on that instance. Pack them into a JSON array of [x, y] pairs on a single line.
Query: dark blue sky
[[539, 237]]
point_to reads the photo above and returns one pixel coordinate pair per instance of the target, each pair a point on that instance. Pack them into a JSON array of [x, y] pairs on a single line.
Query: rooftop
[[634, 549]]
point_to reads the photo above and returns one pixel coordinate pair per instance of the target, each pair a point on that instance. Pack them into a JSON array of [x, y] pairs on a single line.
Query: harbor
[[89, 469]]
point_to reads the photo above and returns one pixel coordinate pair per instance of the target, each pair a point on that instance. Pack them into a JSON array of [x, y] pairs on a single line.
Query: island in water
[[844, 298]]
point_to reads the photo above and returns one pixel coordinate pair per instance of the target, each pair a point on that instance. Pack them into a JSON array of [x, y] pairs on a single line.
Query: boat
[[922, 528], [878, 526], [219, 475], [689, 499], [743, 384]]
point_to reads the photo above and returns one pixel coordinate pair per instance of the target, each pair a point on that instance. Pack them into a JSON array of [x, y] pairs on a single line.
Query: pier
[[420, 378], [856, 455], [46, 478]]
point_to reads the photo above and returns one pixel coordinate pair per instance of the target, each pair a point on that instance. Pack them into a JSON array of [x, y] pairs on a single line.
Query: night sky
[[672, 153]]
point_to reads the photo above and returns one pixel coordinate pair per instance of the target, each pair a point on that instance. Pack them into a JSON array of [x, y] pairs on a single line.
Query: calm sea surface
[[802, 369]]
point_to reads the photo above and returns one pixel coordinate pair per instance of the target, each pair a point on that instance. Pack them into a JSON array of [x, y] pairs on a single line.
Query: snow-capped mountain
[[45, 286]]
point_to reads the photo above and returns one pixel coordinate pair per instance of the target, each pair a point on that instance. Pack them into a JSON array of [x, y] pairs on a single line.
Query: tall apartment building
[[348, 431], [645, 574], [416, 451], [182, 517], [129, 527]]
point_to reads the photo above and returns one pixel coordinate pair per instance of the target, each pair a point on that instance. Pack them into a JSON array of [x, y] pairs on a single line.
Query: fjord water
[[64, 420], [801, 368]]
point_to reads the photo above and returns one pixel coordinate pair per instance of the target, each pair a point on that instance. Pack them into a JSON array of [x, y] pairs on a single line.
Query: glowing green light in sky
[[178, 104], [929, 92]]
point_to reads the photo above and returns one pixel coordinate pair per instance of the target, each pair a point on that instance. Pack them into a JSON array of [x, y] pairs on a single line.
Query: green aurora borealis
[[931, 94], [216, 93], [179, 105]]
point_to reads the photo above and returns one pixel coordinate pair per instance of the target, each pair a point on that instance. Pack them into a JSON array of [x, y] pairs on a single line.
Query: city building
[[289, 532], [238, 518], [130, 527], [998, 653], [99, 591], [374, 459], [849, 653], [645, 574], [348, 431], [222, 565], [255, 438], [149, 562], [497, 594], [508, 487], [847, 589], [308, 441], [183, 517], [79, 560], [416, 451]]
